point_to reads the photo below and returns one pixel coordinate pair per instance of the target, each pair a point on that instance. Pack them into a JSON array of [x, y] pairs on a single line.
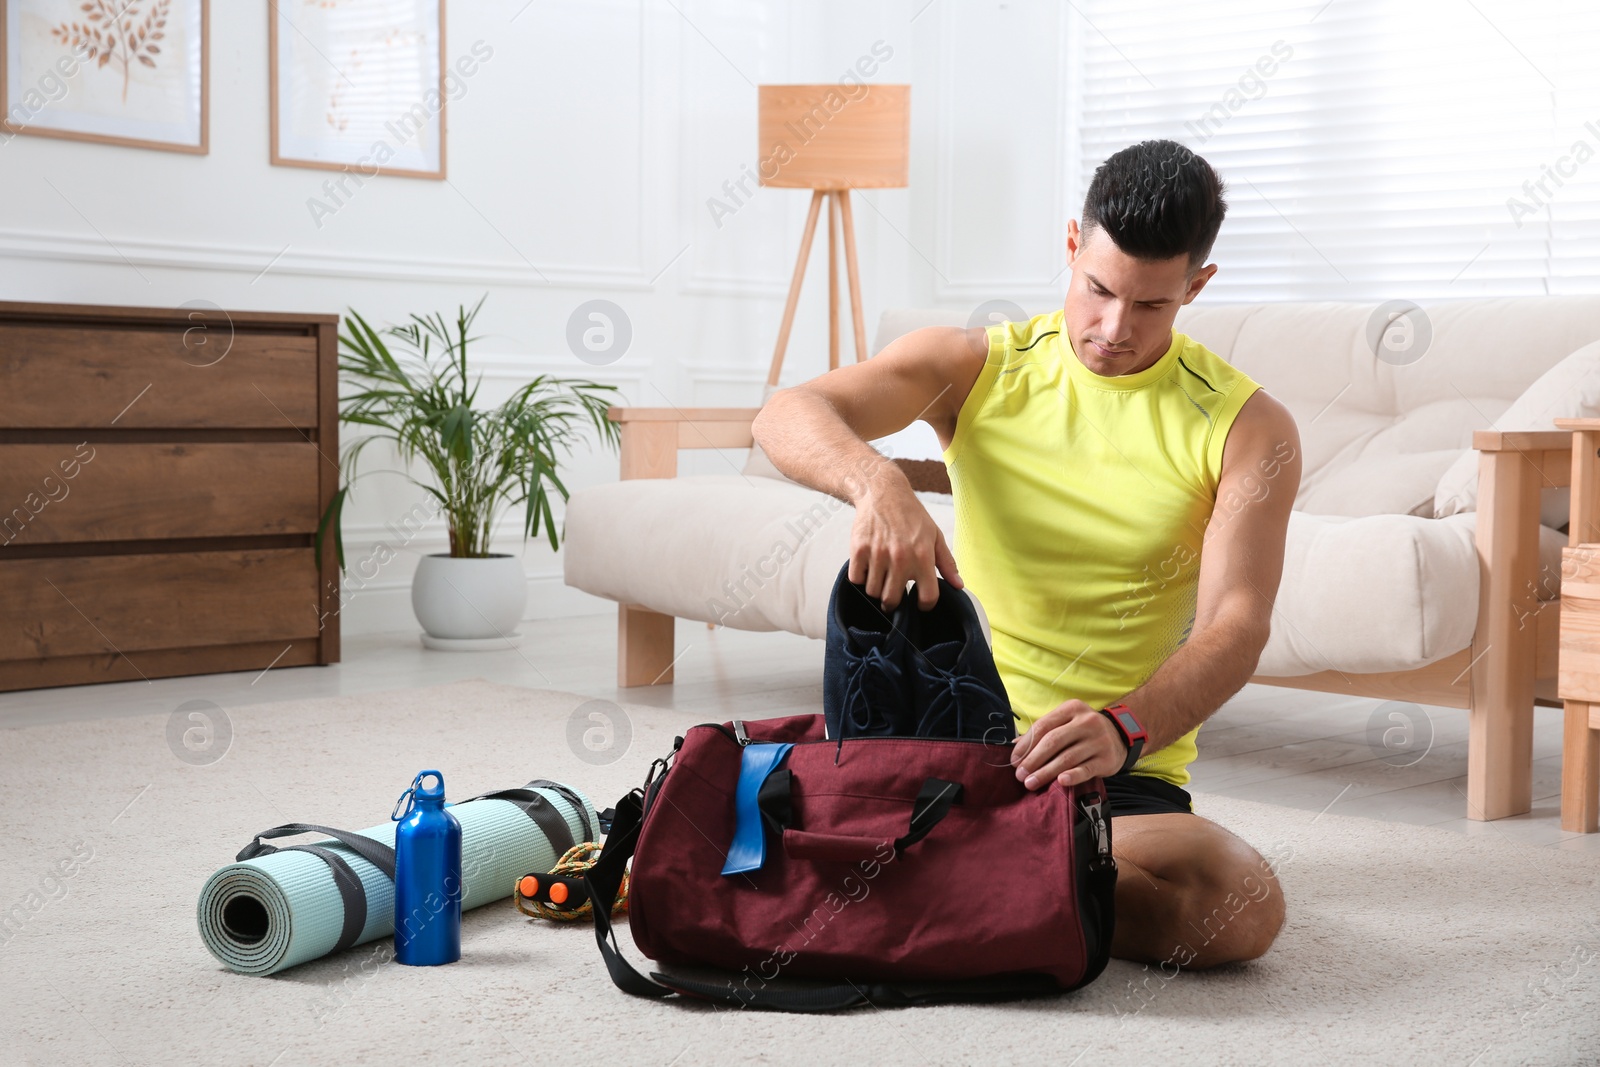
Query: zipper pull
[[1093, 808], [739, 733]]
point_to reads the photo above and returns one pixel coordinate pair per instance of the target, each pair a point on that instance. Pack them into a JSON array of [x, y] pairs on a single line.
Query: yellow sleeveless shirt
[[1081, 507]]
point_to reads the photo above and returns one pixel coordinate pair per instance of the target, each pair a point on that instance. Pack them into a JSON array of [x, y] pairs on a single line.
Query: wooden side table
[[1579, 671]]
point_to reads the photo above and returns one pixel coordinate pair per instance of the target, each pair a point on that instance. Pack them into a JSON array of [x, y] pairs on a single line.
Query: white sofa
[[1390, 589]]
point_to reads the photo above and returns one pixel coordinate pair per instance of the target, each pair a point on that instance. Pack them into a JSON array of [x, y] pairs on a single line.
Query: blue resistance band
[[749, 849]]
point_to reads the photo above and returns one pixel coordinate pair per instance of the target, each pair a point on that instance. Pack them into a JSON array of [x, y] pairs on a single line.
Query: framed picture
[[358, 84], [125, 72]]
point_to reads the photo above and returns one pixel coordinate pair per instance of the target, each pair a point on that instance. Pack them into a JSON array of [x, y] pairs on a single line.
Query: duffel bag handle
[[839, 848], [933, 803]]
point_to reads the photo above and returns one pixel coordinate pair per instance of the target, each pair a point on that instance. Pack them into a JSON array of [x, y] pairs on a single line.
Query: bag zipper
[[741, 735], [1094, 808]]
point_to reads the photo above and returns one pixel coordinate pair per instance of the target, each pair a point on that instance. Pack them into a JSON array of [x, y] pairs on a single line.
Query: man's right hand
[[894, 540]]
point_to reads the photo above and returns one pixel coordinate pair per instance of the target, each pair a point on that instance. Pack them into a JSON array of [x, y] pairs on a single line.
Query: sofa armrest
[[651, 437]]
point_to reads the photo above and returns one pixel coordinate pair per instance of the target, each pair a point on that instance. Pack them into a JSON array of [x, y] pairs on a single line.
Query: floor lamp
[[830, 139]]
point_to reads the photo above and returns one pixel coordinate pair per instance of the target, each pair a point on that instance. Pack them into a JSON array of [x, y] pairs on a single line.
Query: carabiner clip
[[406, 798]]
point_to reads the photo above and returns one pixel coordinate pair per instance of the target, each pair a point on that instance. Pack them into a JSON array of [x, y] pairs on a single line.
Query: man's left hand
[[1071, 744]]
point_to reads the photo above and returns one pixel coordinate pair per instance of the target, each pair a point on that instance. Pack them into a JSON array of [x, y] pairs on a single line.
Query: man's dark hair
[[1156, 200]]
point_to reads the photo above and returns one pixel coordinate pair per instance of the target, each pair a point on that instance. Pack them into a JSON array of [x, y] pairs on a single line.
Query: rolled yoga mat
[[264, 914]]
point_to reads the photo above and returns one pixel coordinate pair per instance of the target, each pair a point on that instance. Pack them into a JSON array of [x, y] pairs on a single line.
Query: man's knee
[[1232, 903]]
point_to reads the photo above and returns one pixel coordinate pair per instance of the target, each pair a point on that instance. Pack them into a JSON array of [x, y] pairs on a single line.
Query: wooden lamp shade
[[834, 136], [831, 139]]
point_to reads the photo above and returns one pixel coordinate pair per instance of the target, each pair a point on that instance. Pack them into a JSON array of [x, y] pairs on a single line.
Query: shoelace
[[948, 697], [874, 667]]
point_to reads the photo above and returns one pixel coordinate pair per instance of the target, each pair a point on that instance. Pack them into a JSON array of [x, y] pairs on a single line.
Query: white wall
[[581, 160]]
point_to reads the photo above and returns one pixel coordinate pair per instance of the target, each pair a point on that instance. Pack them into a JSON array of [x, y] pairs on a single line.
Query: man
[[1122, 496]]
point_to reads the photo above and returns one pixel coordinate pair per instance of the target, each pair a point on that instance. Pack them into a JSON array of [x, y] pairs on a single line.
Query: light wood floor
[[1279, 746]]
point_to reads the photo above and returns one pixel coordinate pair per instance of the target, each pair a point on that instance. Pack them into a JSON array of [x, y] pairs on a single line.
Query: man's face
[[1119, 310]]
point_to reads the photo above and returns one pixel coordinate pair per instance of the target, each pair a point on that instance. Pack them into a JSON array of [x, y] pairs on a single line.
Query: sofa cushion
[[762, 554], [1569, 390], [1397, 484], [1372, 429], [751, 553], [1327, 617]]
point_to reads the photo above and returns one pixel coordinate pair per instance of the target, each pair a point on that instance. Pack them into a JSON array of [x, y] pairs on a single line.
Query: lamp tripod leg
[[794, 287], [854, 272], [833, 280]]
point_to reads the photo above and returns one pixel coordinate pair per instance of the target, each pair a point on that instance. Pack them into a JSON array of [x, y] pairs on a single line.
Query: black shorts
[[1142, 794]]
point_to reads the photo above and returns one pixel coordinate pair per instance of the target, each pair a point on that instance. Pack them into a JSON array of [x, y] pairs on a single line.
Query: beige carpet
[[1403, 945]]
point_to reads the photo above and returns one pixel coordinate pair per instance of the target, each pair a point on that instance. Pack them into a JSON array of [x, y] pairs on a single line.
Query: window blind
[[1372, 149]]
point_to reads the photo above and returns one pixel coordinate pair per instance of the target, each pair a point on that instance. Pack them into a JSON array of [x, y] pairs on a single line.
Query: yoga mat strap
[[351, 892], [376, 853], [541, 811], [571, 796]]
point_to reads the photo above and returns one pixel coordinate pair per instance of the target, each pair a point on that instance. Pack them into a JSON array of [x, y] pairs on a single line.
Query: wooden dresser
[[162, 473]]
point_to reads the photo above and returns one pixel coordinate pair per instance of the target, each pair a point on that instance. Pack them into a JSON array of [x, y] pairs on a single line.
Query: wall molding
[[721, 372], [728, 285], [194, 255], [516, 366]]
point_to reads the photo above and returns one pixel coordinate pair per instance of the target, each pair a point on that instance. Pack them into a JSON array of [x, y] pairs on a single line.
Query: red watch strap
[[1115, 713]]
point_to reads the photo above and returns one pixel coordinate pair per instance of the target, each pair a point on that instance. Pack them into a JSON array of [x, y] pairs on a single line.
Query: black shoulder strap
[[605, 878]]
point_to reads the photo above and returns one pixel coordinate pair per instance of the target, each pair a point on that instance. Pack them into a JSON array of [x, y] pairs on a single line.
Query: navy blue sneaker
[[956, 689], [866, 691]]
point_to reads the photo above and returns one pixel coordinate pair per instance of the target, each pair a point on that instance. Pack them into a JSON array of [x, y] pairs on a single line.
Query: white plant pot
[[469, 604]]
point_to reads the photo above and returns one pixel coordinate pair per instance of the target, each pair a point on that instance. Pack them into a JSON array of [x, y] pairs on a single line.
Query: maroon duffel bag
[[903, 870]]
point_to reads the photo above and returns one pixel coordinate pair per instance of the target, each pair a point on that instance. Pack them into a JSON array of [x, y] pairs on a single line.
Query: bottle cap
[[429, 793], [426, 790]]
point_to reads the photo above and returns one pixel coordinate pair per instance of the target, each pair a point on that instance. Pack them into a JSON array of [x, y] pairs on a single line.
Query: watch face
[[1129, 724]]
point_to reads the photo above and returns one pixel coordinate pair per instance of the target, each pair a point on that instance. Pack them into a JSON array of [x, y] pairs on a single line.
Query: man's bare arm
[[1240, 568], [1241, 564], [817, 434]]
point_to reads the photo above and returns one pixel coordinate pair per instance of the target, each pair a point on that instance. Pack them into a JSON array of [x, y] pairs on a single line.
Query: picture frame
[[326, 116], [60, 61]]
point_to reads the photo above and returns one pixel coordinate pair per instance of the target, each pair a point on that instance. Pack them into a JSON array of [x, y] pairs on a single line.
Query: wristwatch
[[1130, 729]]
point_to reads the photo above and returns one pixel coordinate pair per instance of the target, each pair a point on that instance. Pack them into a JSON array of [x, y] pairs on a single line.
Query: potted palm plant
[[411, 386]]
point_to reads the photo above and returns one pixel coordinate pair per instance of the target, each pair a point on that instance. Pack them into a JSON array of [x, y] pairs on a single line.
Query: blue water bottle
[[427, 876]]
